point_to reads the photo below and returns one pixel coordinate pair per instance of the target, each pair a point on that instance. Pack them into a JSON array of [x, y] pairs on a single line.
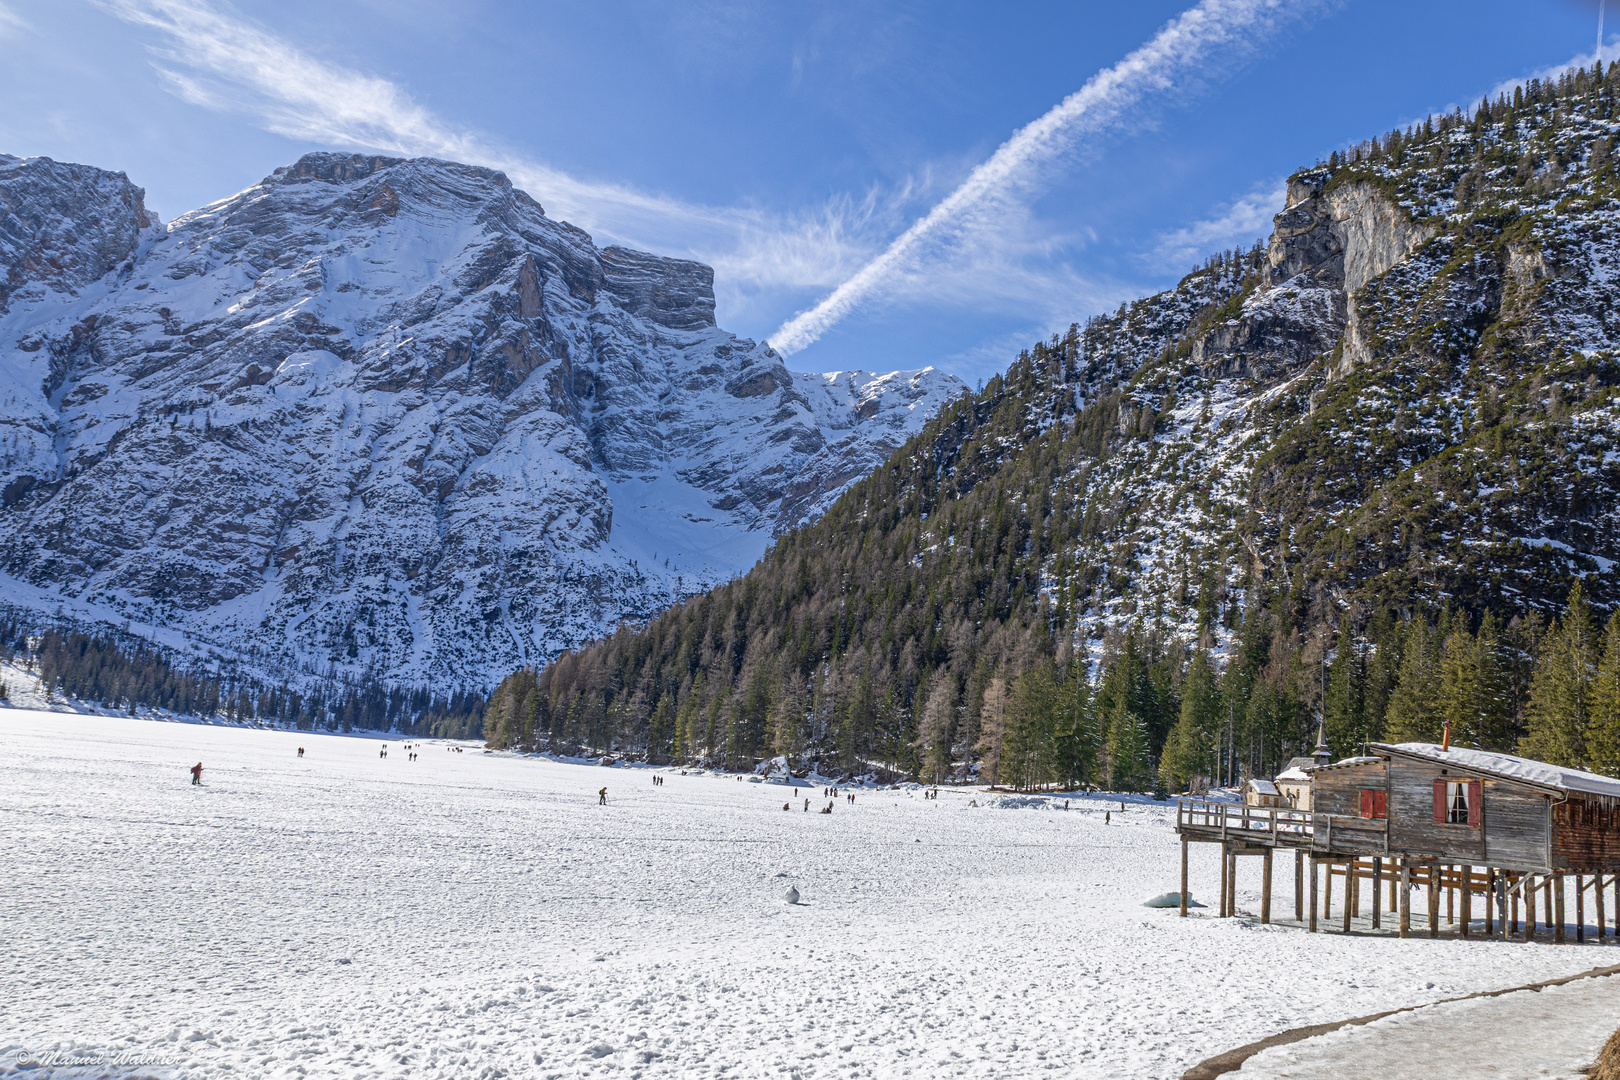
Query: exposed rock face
[[387, 416], [64, 227], [1326, 246]]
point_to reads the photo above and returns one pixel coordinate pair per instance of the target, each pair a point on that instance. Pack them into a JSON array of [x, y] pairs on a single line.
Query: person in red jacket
[[196, 773]]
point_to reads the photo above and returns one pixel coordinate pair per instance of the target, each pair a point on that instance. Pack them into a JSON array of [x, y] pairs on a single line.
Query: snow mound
[[1019, 802]]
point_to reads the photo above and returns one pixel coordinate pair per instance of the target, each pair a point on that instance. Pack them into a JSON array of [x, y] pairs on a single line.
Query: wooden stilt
[[1406, 899], [1377, 869], [1503, 883], [1327, 891], [1349, 892], [1225, 869], [1580, 907], [1556, 916], [1183, 877], [1265, 887], [1451, 898], [1232, 883], [1597, 903], [1434, 899], [1313, 893], [1299, 885], [1467, 877], [1490, 901], [1529, 891], [1547, 900]]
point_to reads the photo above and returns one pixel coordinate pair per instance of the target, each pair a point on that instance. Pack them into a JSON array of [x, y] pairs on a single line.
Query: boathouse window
[[1374, 803], [1456, 802]]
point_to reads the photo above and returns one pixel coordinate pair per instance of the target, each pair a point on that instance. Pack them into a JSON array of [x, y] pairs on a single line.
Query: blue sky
[[791, 144]]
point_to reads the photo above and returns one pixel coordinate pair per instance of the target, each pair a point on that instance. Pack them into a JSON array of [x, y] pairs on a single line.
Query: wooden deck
[[1278, 826]]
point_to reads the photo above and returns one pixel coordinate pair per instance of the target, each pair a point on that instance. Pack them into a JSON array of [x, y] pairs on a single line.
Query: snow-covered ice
[[479, 915]]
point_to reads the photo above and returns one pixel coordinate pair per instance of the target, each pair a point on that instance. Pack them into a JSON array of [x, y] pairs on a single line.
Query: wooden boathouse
[[1468, 825]]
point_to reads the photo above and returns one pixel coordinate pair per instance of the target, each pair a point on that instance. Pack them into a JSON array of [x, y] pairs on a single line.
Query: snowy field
[[479, 915]]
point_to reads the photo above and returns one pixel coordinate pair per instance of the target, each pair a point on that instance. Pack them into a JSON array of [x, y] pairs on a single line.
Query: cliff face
[[386, 417]]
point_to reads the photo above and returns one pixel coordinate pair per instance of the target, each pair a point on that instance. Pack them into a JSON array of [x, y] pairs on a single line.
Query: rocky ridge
[[384, 418]]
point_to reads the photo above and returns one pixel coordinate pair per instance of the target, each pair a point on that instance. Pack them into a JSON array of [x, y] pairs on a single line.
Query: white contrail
[[1159, 65]]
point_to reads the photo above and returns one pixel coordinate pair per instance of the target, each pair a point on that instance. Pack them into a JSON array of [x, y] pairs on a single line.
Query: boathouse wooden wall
[[1586, 835], [1517, 821], [1514, 818]]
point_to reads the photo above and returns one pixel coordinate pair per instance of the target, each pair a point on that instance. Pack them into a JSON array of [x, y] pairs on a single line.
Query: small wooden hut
[[1459, 821]]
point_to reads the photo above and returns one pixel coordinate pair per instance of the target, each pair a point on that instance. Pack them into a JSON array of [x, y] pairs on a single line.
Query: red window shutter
[[1439, 802], [1380, 804], [1476, 795], [1367, 803]]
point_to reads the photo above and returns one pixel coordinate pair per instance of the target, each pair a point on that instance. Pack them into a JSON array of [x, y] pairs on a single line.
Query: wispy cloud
[[217, 60], [1195, 44], [1241, 223], [10, 22]]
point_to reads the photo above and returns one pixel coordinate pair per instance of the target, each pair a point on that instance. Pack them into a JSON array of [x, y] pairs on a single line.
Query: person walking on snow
[[196, 773], [601, 797]]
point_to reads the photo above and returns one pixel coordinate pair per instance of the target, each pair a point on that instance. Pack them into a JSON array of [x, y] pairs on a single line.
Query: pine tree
[[1414, 705], [1345, 706], [1028, 756], [1189, 751], [1459, 676], [1129, 767], [1561, 692], [1079, 742], [1603, 734]]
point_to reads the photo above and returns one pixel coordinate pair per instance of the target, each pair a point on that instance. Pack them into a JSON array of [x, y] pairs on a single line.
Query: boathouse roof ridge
[[1361, 759], [1510, 767]]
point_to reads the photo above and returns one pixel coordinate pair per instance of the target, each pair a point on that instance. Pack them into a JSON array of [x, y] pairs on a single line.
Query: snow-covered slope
[[387, 416]]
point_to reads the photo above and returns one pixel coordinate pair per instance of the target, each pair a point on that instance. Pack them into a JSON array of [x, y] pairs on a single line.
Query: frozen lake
[[479, 915]]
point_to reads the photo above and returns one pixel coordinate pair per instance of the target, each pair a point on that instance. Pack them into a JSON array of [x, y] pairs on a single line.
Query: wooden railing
[[1261, 824]]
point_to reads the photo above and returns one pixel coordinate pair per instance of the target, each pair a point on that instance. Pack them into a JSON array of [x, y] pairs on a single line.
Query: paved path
[[1549, 1034]]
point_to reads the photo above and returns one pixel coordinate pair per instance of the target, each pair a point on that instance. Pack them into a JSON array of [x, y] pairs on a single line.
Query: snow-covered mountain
[[386, 416]]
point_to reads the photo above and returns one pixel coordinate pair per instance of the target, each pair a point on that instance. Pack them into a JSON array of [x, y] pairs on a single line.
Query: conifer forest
[[1362, 476]]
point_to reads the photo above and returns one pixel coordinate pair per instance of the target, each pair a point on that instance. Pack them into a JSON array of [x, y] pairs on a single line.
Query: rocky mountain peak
[[383, 417], [64, 226]]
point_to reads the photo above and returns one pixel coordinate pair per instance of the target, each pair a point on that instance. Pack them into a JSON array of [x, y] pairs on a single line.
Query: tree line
[[129, 673]]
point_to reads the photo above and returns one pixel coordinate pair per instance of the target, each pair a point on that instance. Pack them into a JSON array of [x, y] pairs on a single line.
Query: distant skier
[[601, 797], [1108, 817], [196, 773], [300, 751]]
